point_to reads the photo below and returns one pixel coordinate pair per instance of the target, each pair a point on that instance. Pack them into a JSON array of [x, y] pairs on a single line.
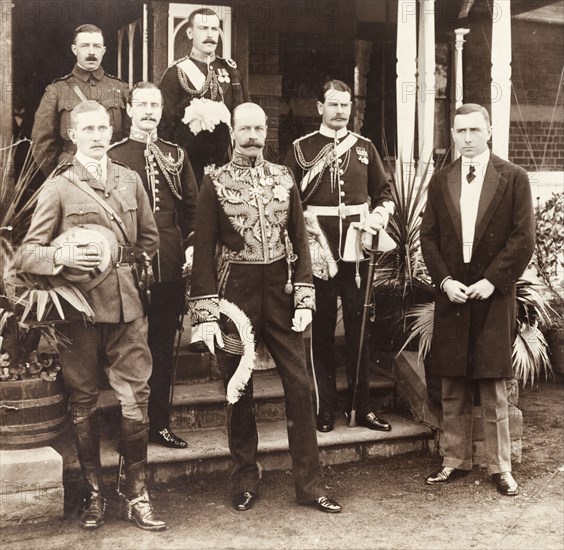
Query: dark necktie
[[471, 176]]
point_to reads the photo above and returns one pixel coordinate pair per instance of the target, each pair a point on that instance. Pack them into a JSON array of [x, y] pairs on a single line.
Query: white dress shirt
[[470, 198]]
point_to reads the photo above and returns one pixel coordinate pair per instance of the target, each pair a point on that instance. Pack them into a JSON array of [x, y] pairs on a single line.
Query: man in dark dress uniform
[[87, 81], [341, 180], [210, 87], [92, 193], [250, 213], [170, 184]]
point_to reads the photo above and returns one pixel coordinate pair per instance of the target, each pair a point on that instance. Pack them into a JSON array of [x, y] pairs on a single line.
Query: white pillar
[[426, 87], [501, 78], [458, 74], [145, 35], [406, 83]]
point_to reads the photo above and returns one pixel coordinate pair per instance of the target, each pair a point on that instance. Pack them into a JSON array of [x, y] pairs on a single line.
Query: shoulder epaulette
[[61, 78], [306, 136], [120, 163], [113, 77], [118, 142], [359, 136], [229, 61], [177, 61], [60, 168], [169, 142]]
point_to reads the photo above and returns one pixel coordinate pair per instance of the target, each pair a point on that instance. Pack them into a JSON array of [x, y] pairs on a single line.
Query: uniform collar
[[202, 57], [143, 137], [245, 162], [324, 130], [83, 74], [98, 169]]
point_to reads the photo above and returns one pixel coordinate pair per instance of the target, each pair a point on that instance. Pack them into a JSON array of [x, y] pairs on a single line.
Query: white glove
[[208, 333], [374, 222], [189, 258], [302, 318]]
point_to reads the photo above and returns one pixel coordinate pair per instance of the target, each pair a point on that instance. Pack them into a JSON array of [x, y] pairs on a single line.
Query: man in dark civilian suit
[[477, 238]]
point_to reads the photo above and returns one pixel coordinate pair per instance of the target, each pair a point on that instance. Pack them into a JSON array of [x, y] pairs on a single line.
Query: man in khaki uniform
[[87, 81], [92, 193]]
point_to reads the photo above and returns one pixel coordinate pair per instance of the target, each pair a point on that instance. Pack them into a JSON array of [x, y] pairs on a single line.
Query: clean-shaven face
[[471, 134]]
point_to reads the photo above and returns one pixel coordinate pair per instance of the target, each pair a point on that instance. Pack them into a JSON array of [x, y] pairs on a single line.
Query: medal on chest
[[362, 155], [223, 75]]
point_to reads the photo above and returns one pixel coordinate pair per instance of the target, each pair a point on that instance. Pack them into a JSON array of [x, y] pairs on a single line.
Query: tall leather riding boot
[[136, 505], [87, 439]]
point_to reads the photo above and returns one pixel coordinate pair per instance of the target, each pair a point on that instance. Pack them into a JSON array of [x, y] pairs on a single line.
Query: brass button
[[157, 208]]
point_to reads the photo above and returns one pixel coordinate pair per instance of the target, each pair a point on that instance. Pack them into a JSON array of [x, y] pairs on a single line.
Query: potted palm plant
[[400, 278], [29, 309]]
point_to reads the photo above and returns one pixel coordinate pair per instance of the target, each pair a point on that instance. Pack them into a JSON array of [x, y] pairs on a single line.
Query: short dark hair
[[86, 28], [468, 108], [141, 86], [337, 85], [89, 106], [200, 11]]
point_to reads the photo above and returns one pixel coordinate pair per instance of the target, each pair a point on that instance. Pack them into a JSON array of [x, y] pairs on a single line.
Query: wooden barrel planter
[[33, 413]]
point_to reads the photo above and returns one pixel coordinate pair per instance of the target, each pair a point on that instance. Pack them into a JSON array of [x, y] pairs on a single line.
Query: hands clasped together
[[459, 293]]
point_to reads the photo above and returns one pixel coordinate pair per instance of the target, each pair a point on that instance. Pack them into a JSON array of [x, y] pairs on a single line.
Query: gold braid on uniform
[[169, 167], [326, 152], [211, 83]]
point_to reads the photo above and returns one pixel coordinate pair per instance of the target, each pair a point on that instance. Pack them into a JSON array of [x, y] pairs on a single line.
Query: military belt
[[125, 255], [342, 211]]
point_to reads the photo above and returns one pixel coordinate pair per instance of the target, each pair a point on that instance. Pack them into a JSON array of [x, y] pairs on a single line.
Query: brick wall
[[537, 146]]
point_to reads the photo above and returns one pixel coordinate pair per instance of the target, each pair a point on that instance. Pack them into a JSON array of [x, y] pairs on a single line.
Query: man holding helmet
[[90, 195]]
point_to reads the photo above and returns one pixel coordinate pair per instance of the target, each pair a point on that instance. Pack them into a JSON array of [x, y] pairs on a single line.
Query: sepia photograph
[[282, 274]]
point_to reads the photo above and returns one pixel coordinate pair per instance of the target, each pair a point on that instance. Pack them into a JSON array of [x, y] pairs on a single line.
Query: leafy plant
[[530, 350], [25, 300]]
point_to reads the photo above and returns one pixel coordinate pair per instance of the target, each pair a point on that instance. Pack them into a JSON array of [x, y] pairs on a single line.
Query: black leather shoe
[[167, 438], [328, 505], [372, 422], [244, 501], [325, 422], [444, 475], [92, 515], [506, 484]]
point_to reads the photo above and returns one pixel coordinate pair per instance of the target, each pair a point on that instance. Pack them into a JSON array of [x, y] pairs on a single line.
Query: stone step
[[208, 451], [202, 405]]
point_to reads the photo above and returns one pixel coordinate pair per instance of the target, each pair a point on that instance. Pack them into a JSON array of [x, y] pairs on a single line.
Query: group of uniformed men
[[250, 237]]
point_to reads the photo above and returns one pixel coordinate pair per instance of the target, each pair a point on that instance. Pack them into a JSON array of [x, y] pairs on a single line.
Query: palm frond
[[420, 321], [530, 355]]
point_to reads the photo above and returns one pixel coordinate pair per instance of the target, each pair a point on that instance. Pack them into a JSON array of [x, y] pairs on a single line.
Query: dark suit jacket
[[475, 339]]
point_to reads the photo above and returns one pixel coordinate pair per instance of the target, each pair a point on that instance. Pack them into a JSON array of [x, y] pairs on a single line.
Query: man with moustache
[[477, 237], [87, 81], [342, 184], [199, 93], [171, 187], [92, 221], [250, 213]]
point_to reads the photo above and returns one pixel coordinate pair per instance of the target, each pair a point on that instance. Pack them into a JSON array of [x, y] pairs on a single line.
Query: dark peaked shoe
[[92, 515], [506, 484], [444, 475], [139, 510], [167, 438], [325, 422], [372, 422], [244, 501]]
